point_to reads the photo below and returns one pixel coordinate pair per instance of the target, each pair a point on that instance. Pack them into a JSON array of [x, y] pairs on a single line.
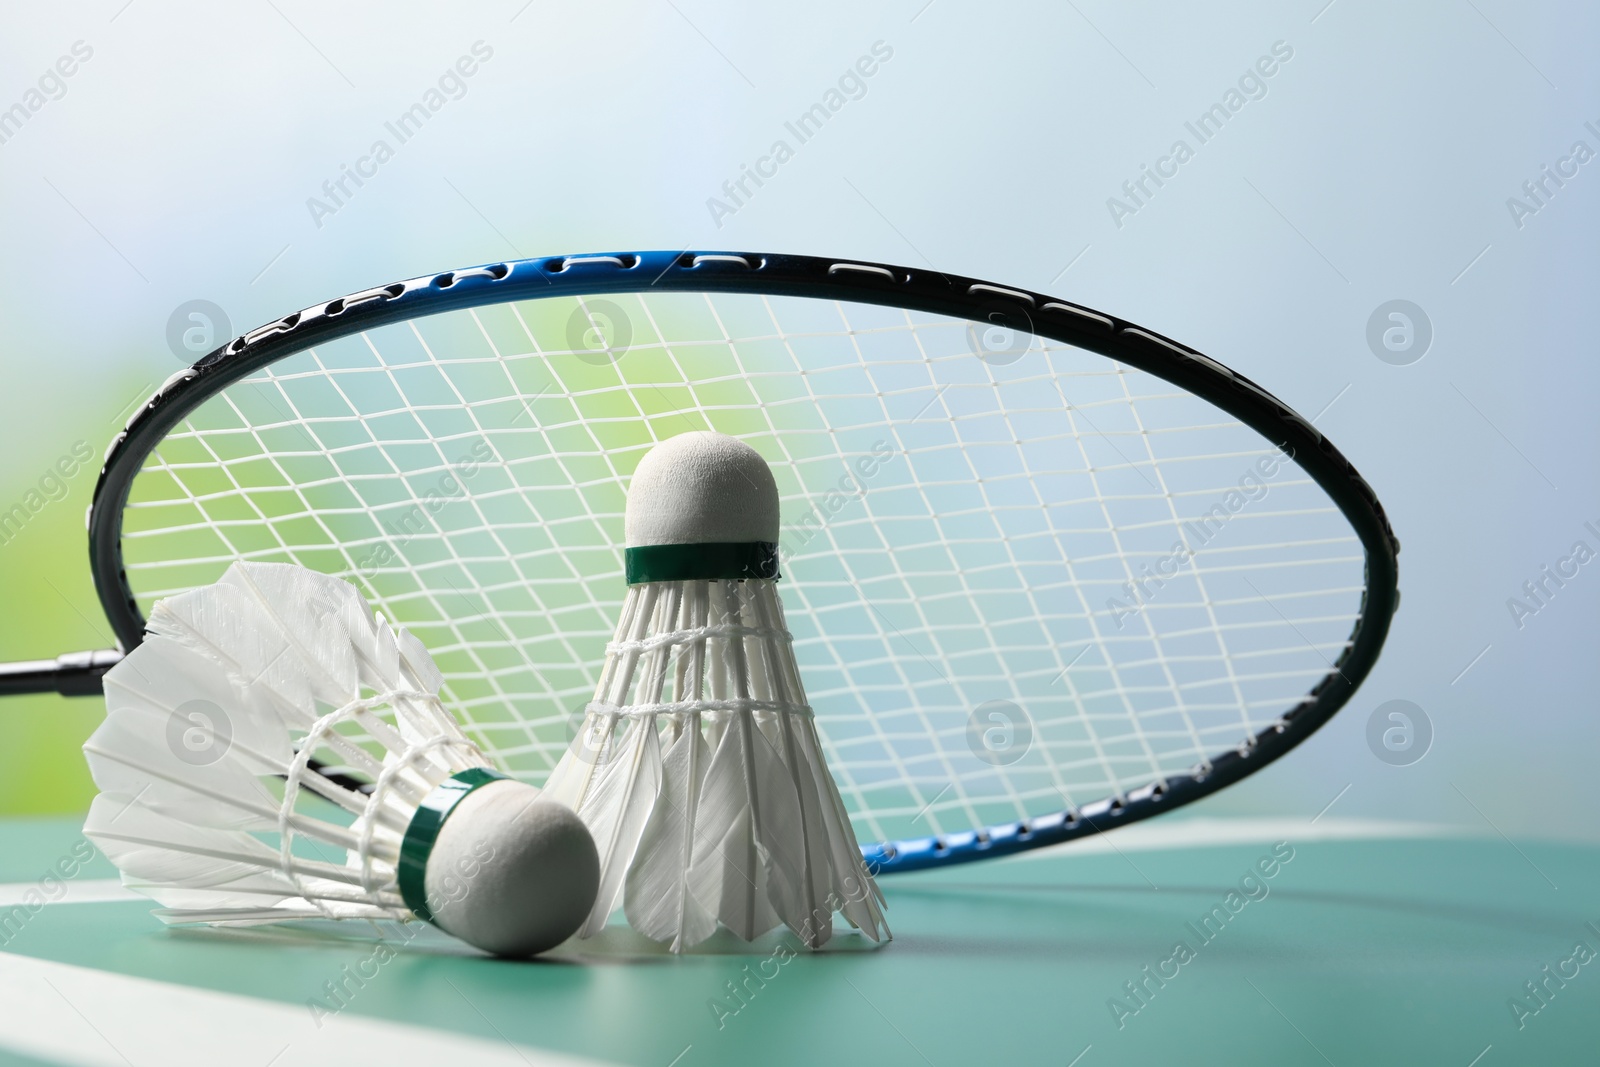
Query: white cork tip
[[511, 872], [702, 488]]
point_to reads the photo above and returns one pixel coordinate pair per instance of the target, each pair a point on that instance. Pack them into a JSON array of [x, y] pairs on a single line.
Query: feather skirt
[[700, 773], [210, 725]]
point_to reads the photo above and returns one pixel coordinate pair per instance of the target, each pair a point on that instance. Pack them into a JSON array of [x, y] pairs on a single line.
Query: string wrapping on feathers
[[207, 782]]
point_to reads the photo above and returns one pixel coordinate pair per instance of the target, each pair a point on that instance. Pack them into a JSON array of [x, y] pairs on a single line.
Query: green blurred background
[[44, 580]]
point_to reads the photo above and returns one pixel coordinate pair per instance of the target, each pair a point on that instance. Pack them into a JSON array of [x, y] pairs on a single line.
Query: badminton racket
[[1048, 573]]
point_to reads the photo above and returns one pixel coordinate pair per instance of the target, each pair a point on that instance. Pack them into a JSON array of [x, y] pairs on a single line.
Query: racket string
[[1011, 506]]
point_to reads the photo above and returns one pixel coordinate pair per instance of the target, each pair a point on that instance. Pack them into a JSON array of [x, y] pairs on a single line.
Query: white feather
[[617, 808], [207, 726], [800, 865], [739, 821], [728, 859], [661, 901], [848, 877]]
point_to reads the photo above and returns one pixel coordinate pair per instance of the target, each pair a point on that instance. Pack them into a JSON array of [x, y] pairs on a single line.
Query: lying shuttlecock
[[205, 768], [698, 767]]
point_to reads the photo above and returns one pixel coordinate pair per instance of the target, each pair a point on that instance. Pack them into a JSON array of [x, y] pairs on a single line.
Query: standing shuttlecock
[[205, 768], [698, 767]]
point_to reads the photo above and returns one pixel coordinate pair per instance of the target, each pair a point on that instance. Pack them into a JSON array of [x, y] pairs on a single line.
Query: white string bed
[[1131, 580]]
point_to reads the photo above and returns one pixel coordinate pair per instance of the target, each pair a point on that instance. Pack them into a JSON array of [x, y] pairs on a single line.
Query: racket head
[[993, 501]]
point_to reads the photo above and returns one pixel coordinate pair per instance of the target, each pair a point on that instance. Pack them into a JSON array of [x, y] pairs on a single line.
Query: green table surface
[[1398, 950]]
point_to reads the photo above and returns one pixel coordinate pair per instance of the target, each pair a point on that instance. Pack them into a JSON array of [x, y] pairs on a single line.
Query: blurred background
[[1389, 222]]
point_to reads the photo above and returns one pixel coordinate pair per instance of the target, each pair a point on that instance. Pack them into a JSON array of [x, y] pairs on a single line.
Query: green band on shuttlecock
[[424, 831], [687, 563]]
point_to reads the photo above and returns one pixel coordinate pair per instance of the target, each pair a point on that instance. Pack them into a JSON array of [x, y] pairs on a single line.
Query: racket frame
[[770, 274]]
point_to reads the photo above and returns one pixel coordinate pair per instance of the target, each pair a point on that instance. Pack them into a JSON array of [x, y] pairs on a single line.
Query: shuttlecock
[[698, 767], [204, 765]]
